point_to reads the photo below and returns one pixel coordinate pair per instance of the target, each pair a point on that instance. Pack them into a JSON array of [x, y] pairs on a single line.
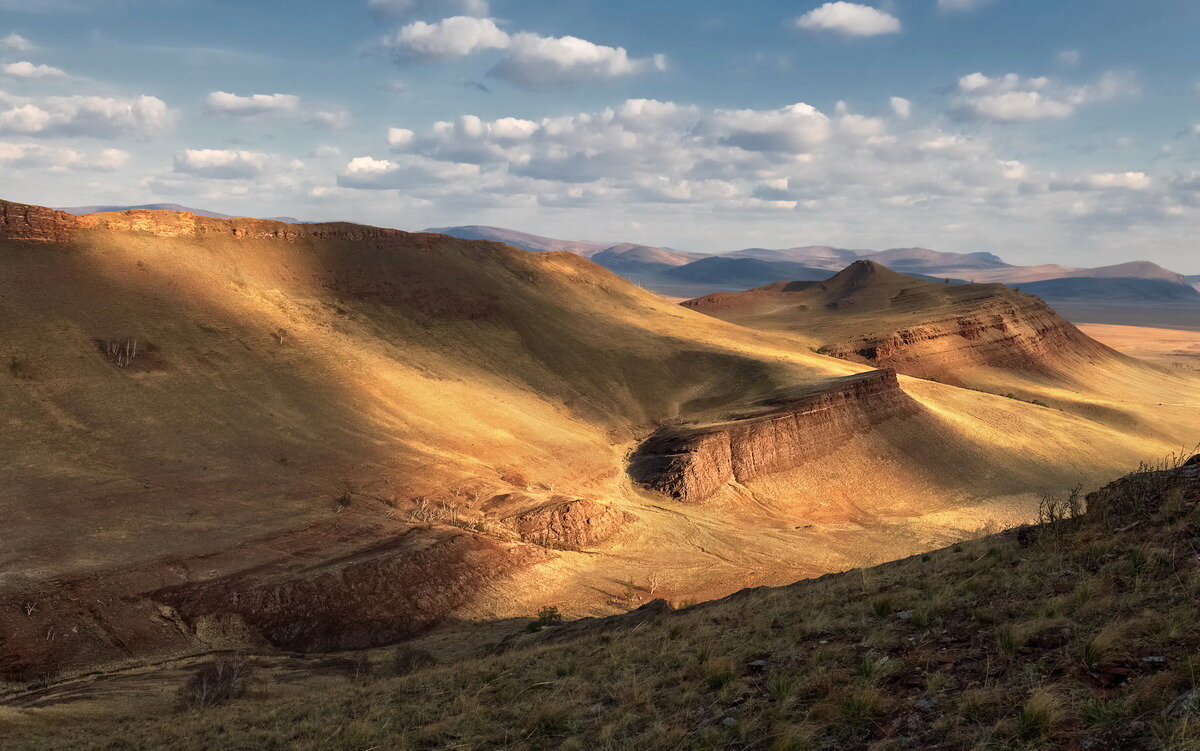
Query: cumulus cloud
[[1011, 98], [850, 19], [1119, 181], [329, 120], [428, 8], [1070, 57], [225, 103], [532, 61], [221, 164], [28, 155], [901, 107], [26, 69], [97, 117], [367, 173], [538, 63], [960, 5], [445, 41], [14, 42]]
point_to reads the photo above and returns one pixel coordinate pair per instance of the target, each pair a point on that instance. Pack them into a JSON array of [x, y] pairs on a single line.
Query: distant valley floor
[[1180, 317], [1162, 346]]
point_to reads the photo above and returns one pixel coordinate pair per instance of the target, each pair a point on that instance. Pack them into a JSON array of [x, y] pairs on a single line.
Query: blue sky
[[1064, 131]]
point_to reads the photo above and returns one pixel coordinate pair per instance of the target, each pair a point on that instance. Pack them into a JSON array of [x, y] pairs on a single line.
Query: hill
[[1076, 633], [629, 260], [168, 207], [522, 240], [322, 437], [1110, 289], [984, 336]]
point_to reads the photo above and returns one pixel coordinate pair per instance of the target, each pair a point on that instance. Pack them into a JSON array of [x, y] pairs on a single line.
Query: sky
[[1046, 132]]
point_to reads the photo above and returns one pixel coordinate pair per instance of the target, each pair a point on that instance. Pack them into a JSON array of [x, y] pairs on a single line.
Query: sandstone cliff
[[691, 463], [1008, 331]]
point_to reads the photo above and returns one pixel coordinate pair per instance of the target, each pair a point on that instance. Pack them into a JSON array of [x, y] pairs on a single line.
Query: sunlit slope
[[982, 336], [210, 419]]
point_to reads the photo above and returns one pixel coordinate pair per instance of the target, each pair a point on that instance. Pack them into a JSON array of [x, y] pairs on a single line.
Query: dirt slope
[[246, 432], [1080, 633]]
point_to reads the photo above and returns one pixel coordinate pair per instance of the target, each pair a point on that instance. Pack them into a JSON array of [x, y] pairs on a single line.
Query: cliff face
[[690, 464], [39, 224], [1014, 332]]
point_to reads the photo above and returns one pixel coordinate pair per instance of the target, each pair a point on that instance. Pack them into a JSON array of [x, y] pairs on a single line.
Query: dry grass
[[1077, 634]]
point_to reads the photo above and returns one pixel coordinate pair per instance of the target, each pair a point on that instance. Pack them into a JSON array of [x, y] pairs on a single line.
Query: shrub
[[547, 616], [215, 683], [408, 659]]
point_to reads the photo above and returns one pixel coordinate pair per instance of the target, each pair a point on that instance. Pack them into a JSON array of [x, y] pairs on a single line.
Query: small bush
[[217, 682], [408, 659], [547, 616]]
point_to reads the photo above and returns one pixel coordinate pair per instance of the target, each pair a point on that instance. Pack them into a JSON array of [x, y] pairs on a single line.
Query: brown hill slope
[[332, 436], [1080, 633], [983, 336]]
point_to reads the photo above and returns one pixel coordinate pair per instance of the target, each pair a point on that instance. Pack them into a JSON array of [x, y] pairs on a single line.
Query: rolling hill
[[669, 271], [1111, 289], [314, 437]]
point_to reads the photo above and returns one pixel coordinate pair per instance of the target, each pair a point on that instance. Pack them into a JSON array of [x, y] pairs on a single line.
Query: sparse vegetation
[[220, 681], [1078, 633], [547, 616]]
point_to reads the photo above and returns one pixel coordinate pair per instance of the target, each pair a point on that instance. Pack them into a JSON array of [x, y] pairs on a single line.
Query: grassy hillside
[[1077, 633], [335, 436]]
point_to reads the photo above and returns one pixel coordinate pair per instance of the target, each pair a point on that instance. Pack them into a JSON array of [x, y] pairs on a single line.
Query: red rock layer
[[691, 464]]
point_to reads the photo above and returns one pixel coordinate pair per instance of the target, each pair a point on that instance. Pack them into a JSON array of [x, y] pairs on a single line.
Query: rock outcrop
[[39, 224], [569, 524], [690, 463], [1009, 331]]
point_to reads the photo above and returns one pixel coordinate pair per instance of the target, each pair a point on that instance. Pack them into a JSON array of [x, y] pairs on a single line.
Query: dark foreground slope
[[1079, 633]]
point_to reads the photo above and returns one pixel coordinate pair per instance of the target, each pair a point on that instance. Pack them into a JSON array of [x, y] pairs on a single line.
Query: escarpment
[[1009, 332], [28, 223], [872, 315], [691, 463]]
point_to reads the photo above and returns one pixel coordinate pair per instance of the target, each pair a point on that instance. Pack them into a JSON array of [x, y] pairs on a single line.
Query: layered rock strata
[[691, 463]]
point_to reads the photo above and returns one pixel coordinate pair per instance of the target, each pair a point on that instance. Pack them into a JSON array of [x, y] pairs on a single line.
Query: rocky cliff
[[39, 224], [1009, 331], [690, 463]]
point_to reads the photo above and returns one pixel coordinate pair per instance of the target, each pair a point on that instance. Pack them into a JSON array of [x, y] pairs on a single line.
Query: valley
[[235, 433]]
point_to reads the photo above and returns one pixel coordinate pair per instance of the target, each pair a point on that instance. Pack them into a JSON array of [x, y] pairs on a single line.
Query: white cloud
[[1070, 57], [539, 63], [98, 117], [445, 41], [795, 129], [1119, 181], [28, 155], [960, 5], [1011, 98], [26, 69], [901, 107], [225, 103], [14, 42], [429, 8], [221, 164], [329, 120], [367, 173], [850, 19]]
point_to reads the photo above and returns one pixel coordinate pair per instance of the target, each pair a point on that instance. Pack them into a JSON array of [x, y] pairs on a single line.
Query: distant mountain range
[[171, 207], [677, 273]]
